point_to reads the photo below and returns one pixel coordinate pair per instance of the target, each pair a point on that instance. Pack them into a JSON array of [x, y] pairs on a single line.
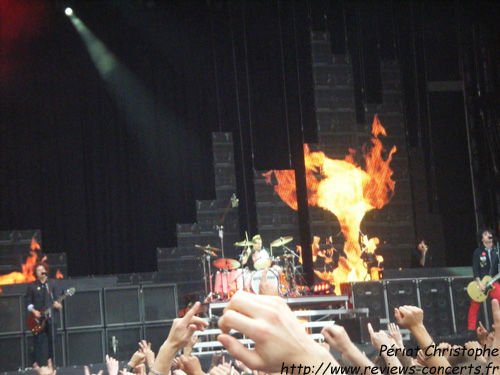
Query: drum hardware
[[226, 265], [290, 270], [207, 270], [233, 203]]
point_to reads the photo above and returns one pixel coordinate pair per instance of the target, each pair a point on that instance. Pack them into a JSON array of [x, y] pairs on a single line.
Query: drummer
[[258, 252]]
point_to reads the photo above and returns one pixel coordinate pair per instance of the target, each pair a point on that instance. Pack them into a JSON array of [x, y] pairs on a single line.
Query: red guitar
[[37, 325]]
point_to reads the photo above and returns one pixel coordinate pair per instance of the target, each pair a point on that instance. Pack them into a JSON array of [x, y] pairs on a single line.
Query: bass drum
[[272, 277]]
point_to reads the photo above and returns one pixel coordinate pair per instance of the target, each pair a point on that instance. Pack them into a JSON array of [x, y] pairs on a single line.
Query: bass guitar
[[37, 325], [476, 293]]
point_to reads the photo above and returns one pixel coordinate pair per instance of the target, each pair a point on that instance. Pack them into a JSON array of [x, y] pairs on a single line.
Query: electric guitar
[[477, 294], [37, 325]]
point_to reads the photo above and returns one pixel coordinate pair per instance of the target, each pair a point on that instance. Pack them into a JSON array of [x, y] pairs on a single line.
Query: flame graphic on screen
[[346, 190], [27, 268]]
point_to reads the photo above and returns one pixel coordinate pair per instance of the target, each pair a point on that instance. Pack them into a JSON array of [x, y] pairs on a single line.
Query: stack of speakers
[[94, 322], [444, 300]]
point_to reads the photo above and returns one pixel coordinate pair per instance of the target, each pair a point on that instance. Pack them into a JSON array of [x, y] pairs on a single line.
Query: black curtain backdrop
[[108, 179]]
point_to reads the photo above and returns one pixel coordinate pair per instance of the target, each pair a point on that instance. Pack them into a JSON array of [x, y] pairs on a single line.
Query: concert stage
[[85, 338]]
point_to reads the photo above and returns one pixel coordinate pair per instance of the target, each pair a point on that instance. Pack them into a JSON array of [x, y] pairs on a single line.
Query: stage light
[[322, 288], [68, 12]]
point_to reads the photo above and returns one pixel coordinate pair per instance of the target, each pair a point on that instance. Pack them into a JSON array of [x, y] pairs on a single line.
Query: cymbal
[[226, 264], [211, 253], [244, 243], [286, 256], [207, 248], [281, 241]]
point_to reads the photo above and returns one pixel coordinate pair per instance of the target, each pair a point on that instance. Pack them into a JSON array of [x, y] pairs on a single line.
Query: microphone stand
[[53, 327], [233, 202]]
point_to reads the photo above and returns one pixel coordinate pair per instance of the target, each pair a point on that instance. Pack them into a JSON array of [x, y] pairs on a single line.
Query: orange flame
[[34, 244], [27, 268], [346, 190], [59, 275], [26, 275]]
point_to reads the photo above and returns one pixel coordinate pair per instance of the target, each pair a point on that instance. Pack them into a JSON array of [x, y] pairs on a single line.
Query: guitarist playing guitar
[[40, 295], [485, 262]]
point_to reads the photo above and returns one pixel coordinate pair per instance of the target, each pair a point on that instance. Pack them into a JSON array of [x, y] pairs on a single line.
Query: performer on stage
[[258, 253], [40, 295], [421, 256], [484, 262]]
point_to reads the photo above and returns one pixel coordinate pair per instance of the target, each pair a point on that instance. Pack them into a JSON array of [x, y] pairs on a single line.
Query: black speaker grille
[[122, 305], [84, 310], [11, 352], [85, 347], [160, 302], [436, 303], [10, 317]]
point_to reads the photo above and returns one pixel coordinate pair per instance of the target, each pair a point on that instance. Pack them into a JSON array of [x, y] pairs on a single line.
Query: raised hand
[[179, 336], [395, 334], [482, 333], [266, 288], [183, 328], [137, 358], [279, 338], [45, 370], [145, 348], [112, 365], [87, 371], [337, 337], [190, 365], [189, 347], [409, 316]]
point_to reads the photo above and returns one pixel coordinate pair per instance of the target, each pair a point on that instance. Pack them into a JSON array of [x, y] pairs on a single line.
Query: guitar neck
[[494, 279], [47, 311]]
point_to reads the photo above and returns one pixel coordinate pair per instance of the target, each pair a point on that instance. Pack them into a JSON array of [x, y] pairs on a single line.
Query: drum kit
[[282, 273]]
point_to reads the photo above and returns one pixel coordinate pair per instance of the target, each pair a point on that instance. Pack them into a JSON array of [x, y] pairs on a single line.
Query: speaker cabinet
[[159, 302], [11, 308], [461, 304], [400, 293], [436, 302], [357, 328], [84, 310], [122, 305], [12, 352], [60, 350], [85, 347], [156, 334], [121, 343], [368, 294]]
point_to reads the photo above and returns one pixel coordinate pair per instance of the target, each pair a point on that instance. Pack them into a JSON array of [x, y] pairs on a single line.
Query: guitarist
[[485, 261], [41, 294]]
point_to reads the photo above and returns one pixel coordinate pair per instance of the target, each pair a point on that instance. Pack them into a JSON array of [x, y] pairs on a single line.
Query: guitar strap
[[45, 294]]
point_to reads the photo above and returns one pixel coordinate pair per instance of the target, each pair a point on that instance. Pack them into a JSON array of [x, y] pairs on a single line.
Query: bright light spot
[[68, 11]]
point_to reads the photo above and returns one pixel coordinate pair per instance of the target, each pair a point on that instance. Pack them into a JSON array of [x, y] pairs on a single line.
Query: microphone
[[114, 344]]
